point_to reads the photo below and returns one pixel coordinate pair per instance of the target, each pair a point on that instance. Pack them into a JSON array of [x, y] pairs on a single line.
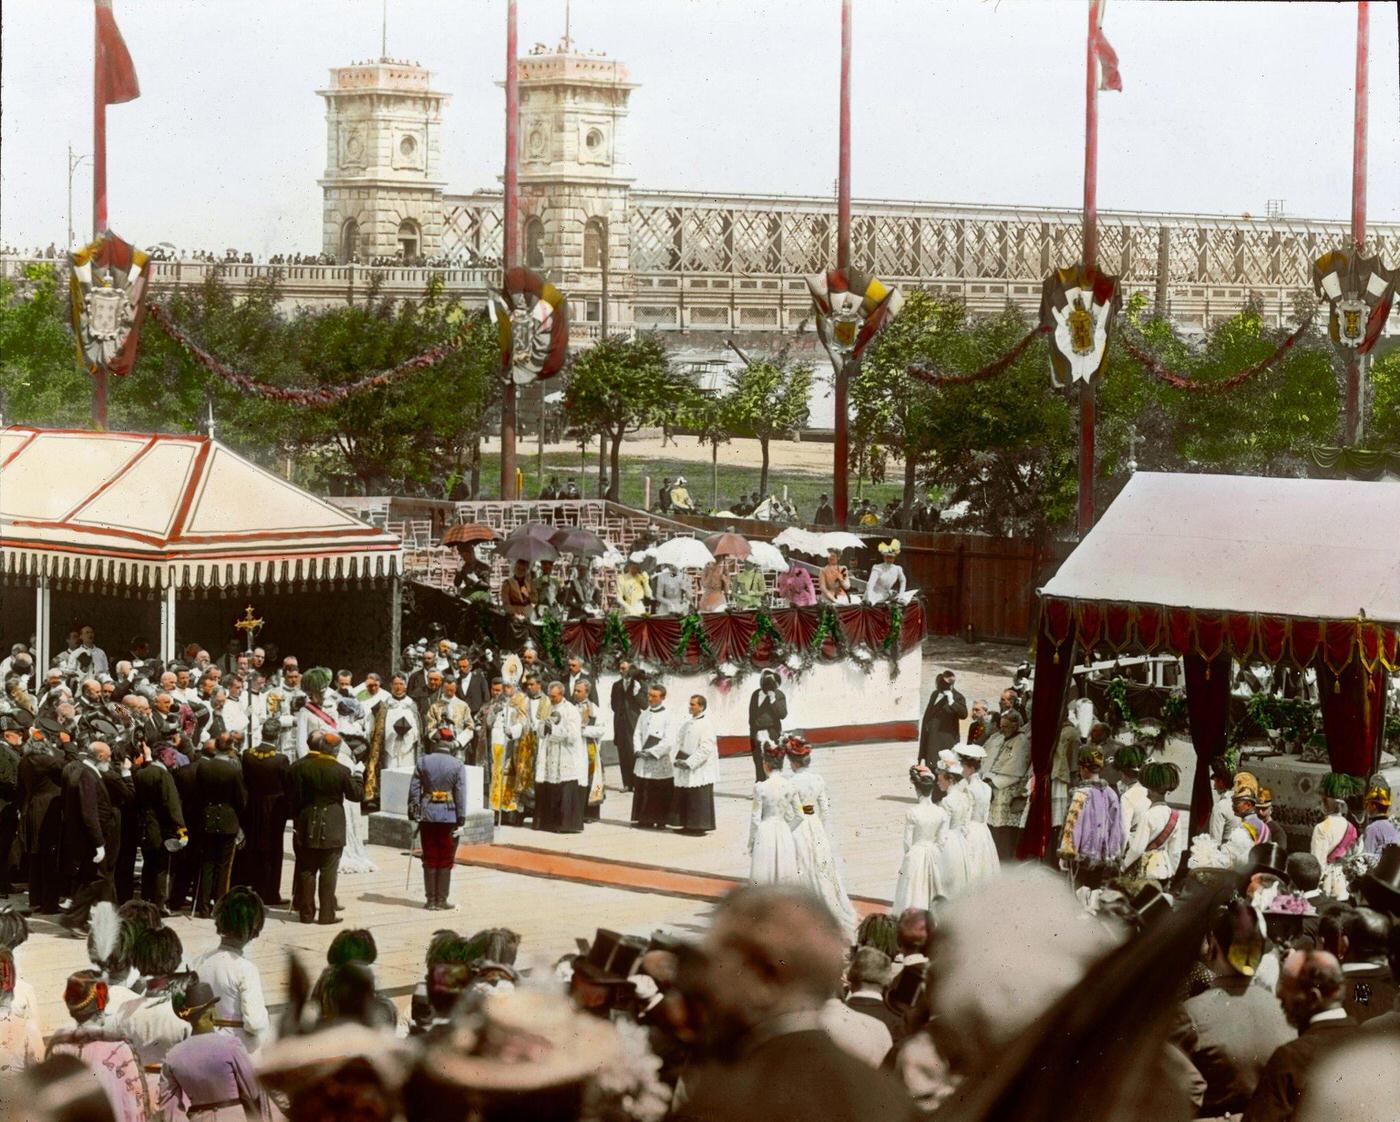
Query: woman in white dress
[[982, 860], [776, 814], [925, 830], [957, 804], [816, 854]]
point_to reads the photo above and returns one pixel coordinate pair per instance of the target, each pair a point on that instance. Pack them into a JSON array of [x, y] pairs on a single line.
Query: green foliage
[[1383, 428], [767, 399], [620, 385], [40, 379]]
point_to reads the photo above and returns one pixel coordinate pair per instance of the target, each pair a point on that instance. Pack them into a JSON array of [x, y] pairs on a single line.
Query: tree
[[707, 418], [892, 410], [40, 379], [767, 400], [620, 385]]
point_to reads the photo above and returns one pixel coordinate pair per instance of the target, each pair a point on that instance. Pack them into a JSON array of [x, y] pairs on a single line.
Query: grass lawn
[[803, 488]]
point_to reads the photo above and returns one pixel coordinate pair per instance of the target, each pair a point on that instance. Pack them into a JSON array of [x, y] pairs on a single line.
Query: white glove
[[174, 845], [284, 722], [357, 769], [100, 855]]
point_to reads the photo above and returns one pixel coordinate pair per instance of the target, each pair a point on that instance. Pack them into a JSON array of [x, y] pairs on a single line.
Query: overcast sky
[[1225, 105]]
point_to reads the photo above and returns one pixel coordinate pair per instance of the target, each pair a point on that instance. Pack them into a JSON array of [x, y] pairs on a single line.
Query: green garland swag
[[615, 635], [693, 628], [827, 629], [765, 627], [896, 628], [552, 639]]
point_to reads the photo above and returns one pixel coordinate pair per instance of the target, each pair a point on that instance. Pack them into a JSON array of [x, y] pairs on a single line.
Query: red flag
[[1109, 78], [116, 76]]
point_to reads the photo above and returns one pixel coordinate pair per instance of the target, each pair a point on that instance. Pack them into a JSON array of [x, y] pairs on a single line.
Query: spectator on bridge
[[824, 515]]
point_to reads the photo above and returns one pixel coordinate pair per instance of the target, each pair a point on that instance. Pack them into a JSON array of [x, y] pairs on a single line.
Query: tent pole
[[43, 608]]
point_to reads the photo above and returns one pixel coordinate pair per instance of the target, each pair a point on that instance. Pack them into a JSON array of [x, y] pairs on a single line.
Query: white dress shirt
[[654, 762], [238, 985], [696, 739]]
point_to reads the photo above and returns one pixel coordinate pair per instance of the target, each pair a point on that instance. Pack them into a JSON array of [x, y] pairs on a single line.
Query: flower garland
[[320, 396], [993, 369], [693, 628], [1154, 366]]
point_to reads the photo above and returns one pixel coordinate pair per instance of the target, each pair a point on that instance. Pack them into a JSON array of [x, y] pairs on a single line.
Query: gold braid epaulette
[[1076, 806]]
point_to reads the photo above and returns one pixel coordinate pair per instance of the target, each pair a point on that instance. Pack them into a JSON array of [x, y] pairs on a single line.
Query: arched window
[[349, 240], [409, 239], [595, 240], [534, 243]]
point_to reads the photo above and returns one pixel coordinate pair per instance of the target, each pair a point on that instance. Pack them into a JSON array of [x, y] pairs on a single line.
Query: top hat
[[611, 958], [1267, 857], [1380, 888], [19, 720], [1150, 903]]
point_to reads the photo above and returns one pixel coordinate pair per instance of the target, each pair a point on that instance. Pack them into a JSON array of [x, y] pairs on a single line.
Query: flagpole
[[99, 193], [840, 479], [509, 251], [1085, 519], [1358, 203]]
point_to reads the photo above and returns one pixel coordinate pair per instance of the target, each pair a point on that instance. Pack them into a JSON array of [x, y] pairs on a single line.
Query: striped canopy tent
[[169, 517], [1222, 567]]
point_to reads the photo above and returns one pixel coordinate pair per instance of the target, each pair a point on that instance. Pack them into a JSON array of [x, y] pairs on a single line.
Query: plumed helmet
[[241, 913], [1160, 776], [1130, 757]]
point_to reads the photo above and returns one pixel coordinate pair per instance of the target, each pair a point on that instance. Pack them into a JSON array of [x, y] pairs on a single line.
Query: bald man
[[772, 958], [1310, 990], [90, 833]]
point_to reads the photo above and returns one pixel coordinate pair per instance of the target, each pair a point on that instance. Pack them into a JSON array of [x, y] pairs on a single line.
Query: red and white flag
[[114, 74], [1109, 78]]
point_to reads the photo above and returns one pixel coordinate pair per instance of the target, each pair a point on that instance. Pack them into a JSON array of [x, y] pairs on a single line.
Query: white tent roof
[[153, 510], [1323, 549]]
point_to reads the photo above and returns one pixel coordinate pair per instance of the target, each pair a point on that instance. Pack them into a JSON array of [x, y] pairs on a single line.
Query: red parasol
[[728, 544], [465, 533]]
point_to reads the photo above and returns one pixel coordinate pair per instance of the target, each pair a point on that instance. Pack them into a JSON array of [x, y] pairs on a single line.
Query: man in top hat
[[696, 770], [886, 580], [209, 1073], [945, 709], [824, 515], [1334, 837], [320, 784], [437, 801], [40, 781], [627, 700], [1230, 1031], [233, 976], [266, 774], [1155, 848], [768, 709], [601, 974], [1380, 830], [11, 741], [91, 832]]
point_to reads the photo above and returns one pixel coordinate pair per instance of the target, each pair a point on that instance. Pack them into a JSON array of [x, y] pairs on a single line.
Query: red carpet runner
[[605, 872]]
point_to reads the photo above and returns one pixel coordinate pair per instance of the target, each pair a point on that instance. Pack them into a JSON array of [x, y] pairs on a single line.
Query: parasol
[[727, 544], [768, 556], [530, 548], [578, 542], [804, 541], [465, 533], [841, 539], [683, 553], [531, 530]]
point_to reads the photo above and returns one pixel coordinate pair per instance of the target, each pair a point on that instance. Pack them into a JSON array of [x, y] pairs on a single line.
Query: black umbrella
[[578, 542], [530, 548], [531, 530]]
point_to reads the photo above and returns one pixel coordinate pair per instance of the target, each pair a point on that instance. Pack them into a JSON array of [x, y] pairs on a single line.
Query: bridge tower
[[381, 191], [573, 182]]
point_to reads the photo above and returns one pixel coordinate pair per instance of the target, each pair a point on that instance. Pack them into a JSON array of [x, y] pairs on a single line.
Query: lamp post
[[73, 163]]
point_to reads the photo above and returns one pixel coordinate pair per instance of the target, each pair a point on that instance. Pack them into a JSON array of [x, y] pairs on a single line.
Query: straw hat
[[889, 548]]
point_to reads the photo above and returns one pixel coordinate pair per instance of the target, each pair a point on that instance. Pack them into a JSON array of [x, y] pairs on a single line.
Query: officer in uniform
[[223, 796], [266, 773], [437, 801], [320, 784], [160, 823]]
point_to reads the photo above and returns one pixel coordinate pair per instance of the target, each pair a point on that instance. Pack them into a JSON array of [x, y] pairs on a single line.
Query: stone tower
[[381, 193], [573, 182]]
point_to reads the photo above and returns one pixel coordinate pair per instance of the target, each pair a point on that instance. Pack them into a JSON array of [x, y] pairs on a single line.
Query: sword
[[408, 873]]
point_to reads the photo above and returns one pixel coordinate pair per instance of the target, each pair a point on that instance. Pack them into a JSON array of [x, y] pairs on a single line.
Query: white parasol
[[803, 541], [839, 540], [683, 553], [768, 556]]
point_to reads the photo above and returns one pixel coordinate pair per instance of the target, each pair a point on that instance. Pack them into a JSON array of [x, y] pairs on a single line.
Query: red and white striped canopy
[[155, 510]]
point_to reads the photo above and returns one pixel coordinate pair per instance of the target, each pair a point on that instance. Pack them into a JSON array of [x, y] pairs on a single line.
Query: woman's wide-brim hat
[[970, 751], [521, 1041], [294, 1062]]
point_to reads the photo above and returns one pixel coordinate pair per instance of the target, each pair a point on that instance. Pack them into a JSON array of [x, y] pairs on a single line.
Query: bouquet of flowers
[[1288, 904]]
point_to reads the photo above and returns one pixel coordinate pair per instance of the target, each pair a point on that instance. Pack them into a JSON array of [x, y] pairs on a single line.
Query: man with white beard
[[561, 768]]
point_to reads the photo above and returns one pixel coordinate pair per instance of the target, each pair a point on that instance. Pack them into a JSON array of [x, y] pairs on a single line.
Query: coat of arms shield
[[1359, 292], [532, 320], [1077, 306], [107, 285]]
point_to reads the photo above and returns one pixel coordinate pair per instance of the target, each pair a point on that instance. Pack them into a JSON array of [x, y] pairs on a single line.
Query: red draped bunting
[[654, 638], [864, 624], [911, 632], [730, 634], [583, 637], [798, 626]]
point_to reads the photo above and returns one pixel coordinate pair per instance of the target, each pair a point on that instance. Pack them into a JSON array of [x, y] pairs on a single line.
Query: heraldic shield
[[532, 319], [107, 285], [1359, 293], [851, 308], [1077, 307]]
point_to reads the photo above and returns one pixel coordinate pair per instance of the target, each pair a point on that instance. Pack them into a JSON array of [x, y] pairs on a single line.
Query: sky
[[1225, 105]]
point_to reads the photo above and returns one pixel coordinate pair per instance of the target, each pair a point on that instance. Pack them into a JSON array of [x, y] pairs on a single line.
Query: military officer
[[320, 785], [223, 797], [437, 801]]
